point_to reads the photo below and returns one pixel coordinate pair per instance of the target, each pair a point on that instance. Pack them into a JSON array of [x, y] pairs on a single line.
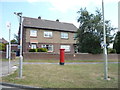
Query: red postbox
[[62, 56]]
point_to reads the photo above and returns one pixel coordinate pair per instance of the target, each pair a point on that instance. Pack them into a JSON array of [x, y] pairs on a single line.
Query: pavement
[[13, 67]]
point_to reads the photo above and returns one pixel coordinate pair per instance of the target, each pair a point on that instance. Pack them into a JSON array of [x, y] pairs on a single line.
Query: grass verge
[[57, 61], [67, 76]]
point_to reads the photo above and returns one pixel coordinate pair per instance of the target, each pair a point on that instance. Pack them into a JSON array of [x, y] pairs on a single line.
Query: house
[[53, 35], [3, 41]]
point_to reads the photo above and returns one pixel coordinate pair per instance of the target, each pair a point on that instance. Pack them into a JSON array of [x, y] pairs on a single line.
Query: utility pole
[[105, 46], [9, 28], [21, 57]]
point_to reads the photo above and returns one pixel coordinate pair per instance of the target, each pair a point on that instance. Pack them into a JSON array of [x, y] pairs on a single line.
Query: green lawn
[[67, 76], [57, 61]]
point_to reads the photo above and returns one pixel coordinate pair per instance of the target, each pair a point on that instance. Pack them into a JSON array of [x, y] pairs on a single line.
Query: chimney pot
[[57, 20], [39, 17]]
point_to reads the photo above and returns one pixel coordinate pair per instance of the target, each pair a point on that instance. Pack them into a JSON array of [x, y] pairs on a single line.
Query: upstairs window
[[48, 34], [75, 36], [64, 35], [33, 33]]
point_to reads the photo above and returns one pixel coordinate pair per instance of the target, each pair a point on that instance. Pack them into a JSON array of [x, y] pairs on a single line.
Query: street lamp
[[105, 45], [9, 28], [21, 57]]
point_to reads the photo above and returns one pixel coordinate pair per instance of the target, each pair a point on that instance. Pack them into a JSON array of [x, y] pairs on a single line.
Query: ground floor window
[[66, 47], [33, 46], [48, 47]]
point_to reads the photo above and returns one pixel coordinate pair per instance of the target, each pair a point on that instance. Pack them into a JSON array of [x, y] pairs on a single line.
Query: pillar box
[[62, 56]]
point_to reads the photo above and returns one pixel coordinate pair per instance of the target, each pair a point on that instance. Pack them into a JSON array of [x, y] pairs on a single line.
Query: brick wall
[[3, 55], [55, 56]]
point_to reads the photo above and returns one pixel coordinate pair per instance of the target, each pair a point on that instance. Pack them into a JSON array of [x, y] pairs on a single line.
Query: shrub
[[2, 47], [116, 44], [42, 50], [110, 50], [33, 50]]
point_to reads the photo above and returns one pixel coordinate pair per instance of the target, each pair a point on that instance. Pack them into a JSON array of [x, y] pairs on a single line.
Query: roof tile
[[48, 24]]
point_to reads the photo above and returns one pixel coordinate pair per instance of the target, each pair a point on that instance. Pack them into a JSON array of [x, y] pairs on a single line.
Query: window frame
[[66, 50], [48, 34], [33, 34], [63, 35], [47, 46], [32, 47]]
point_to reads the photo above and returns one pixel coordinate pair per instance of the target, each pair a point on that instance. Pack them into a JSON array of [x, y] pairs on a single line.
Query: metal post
[[105, 49], [21, 57], [9, 46], [9, 66]]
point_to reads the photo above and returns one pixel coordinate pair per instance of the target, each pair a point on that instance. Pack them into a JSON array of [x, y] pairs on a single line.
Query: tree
[[116, 44], [90, 32], [15, 40], [2, 47]]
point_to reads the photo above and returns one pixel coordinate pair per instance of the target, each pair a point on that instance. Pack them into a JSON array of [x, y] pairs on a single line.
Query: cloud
[[65, 5]]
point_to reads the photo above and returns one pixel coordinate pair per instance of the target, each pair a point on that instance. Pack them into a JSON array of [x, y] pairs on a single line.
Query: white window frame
[[64, 35], [48, 34], [33, 33], [66, 47], [33, 46], [48, 46]]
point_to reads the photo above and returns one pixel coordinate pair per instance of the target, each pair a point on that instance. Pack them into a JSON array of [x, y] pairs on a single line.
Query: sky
[[64, 10]]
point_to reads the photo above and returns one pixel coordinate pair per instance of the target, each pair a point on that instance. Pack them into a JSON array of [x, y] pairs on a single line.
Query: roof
[[3, 41], [48, 24]]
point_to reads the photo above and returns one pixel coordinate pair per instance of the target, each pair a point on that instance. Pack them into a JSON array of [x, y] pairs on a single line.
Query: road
[[2, 87]]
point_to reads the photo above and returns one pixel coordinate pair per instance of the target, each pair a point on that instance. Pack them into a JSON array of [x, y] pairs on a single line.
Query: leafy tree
[[15, 40], [116, 44], [2, 47], [90, 32]]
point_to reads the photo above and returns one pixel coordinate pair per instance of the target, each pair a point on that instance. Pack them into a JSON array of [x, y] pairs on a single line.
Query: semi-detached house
[[53, 35]]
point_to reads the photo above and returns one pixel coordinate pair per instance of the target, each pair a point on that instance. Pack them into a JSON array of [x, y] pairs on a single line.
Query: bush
[[2, 47], [110, 50], [42, 50], [33, 50], [116, 44]]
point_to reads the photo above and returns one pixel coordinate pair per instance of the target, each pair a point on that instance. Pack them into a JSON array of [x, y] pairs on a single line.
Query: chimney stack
[[39, 17], [57, 20]]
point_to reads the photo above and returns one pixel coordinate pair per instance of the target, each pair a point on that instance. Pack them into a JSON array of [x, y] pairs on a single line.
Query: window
[[48, 47], [33, 46], [75, 36], [64, 35], [33, 33], [66, 47], [47, 34]]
